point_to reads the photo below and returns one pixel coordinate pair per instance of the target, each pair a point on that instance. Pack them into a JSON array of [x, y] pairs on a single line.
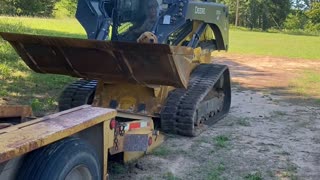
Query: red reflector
[[150, 141], [113, 123], [134, 125]]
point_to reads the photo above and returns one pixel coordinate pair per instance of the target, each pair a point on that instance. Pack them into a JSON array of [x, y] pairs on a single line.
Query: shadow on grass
[[41, 91], [19, 85]]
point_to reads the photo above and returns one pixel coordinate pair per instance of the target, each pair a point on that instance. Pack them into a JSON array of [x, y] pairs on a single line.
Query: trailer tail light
[[113, 123], [150, 141]]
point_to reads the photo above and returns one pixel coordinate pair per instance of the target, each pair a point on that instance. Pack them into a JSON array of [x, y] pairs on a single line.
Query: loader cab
[[133, 17]]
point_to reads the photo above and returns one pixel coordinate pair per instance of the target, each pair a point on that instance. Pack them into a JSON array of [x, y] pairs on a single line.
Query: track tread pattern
[[76, 94], [184, 106]]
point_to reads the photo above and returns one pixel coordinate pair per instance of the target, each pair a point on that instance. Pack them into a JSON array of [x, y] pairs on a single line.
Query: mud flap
[[136, 142]]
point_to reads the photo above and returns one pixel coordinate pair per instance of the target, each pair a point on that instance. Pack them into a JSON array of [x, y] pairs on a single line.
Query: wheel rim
[[80, 172]]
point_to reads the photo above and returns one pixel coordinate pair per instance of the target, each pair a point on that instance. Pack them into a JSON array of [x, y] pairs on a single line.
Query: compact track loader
[[173, 80], [135, 89]]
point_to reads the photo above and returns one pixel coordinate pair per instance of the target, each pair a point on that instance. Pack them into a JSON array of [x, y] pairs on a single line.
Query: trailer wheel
[[68, 159]]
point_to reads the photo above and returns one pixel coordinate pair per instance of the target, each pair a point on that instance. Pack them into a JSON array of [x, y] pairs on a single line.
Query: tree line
[[260, 14], [39, 8], [277, 14]]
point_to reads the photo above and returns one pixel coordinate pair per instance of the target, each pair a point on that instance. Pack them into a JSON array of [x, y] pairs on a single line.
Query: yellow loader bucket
[[112, 62]]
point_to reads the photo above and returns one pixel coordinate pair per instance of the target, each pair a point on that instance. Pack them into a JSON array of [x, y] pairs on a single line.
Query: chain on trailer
[[118, 131]]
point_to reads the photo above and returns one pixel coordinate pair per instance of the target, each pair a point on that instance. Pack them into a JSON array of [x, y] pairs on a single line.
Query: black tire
[[57, 160]]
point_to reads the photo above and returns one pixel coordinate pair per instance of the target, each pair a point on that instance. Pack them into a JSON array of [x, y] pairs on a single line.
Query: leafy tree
[[279, 11], [27, 7], [7, 7], [314, 13], [296, 20], [310, 3], [35, 7], [260, 13], [314, 16], [65, 8]]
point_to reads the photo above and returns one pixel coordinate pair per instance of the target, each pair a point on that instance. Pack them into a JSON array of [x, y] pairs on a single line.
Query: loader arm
[[173, 23], [94, 17]]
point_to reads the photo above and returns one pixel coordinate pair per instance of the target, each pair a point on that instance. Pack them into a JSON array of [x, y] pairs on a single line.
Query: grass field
[[275, 44], [19, 85], [42, 26], [307, 85]]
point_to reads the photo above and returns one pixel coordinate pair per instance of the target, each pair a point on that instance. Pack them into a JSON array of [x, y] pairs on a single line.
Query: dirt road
[[265, 136]]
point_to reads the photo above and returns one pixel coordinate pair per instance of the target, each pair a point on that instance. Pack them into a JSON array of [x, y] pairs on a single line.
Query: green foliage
[[307, 84], [65, 8], [5, 71], [35, 7], [7, 7], [117, 168], [244, 122], [216, 172], [314, 13], [295, 15], [296, 20], [36, 105], [310, 27], [254, 176], [19, 85], [41, 8], [162, 151], [221, 141], [262, 14]]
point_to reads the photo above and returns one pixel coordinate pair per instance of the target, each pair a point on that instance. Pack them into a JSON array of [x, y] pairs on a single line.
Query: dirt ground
[[268, 134]]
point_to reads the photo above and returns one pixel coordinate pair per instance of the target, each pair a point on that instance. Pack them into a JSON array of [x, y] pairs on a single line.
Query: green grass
[[279, 113], [221, 141], [244, 122], [209, 170], [216, 172], [42, 26], [307, 84], [162, 151], [117, 168], [254, 176], [274, 44], [170, 176], [19, 85]]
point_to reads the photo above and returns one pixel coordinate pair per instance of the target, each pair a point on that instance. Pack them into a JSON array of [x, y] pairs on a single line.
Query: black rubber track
[[180, 114], [76, 94]]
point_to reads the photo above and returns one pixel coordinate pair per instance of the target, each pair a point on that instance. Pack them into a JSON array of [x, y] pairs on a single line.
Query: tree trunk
[[237, 13]]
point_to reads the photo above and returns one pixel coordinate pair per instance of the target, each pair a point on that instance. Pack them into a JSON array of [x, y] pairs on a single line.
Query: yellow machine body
[[135, 78], [18, 140]]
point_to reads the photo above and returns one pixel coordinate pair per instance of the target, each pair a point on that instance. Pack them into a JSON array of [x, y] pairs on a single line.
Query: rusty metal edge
[[17, 37], [19, 146], [7, 111]]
